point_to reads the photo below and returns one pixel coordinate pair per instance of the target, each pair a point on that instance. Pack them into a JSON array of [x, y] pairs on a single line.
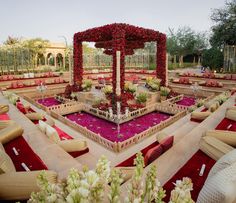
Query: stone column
[[118, 91], [55, 60], [118, 48], [45, 60]]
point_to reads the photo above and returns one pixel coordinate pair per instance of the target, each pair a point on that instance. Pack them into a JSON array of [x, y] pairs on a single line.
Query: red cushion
[[233, 76], [14, 84], [153, 154], [21, 107], [167, 143]]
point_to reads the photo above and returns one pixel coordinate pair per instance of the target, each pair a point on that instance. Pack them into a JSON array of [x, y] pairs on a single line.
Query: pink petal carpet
[[50, 101], [108, 130], [187, 101]]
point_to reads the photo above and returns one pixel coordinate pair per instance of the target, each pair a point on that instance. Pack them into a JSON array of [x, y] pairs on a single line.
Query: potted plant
[[73, 96], [87, 85], [164, 92], [130, 87], [141, 98], [107, 90], [153, 84]]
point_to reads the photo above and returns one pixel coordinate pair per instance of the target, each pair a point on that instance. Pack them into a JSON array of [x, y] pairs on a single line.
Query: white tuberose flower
[[92, 178], [84, 192]]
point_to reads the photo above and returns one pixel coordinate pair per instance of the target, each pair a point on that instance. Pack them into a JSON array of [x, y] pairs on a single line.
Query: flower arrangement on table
[[172, 94], [222, 98], [152, 83], [208, 75], [87, 85], [73, 96], [104, 183], [199, 102], [69, 89], [107, 90], [164, 92], [213, 83], [184, 80], [130, 87]]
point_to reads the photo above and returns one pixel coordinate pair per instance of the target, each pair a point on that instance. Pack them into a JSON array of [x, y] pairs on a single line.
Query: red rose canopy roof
[[108, 32]]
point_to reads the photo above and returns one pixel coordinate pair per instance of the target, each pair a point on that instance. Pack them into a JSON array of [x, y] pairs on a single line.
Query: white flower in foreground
[[92, 178], [84, 192], [137, 200]]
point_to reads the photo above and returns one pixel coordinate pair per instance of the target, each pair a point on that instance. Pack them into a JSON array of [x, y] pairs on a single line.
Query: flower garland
[[161, 59]]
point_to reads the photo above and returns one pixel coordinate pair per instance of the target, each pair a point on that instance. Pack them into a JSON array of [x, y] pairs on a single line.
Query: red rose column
[[161, 59], [78, 63]]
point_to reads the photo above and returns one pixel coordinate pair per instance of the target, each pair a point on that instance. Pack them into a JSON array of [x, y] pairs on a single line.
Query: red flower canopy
[[119, 37]]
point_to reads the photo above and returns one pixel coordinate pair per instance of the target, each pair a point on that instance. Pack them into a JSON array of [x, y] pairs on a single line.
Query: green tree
[[212, 58], [12, 41], [37, 46], [201, 43], [185, 41], [224, 30], [181, 43], [172, 45], [12, 46]]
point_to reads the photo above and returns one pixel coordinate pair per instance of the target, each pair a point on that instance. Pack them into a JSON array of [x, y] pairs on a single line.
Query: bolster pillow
[[228, 137], [214, 148], [73, 145], [200, 115], [20, 185], [4, 108], [231, 114], [10, 132]]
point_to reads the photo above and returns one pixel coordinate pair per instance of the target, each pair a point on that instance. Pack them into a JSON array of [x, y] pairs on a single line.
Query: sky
[[52, 19]]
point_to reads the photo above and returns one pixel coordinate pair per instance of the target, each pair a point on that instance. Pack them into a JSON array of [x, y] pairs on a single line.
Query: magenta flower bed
[[109, 131], [50, 101], [187, 101]]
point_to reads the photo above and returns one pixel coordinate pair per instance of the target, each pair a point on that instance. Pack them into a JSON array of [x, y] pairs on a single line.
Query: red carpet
[[26, 155], [191, 169], [62, 134], [225, 123]]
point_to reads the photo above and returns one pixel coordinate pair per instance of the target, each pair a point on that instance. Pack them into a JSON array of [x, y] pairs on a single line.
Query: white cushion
[[224, 162], [42, 126], [52, 134], [228, 137], [220, 188]]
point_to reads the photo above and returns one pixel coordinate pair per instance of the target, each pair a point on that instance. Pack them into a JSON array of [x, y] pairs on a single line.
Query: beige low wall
[[60, 110]]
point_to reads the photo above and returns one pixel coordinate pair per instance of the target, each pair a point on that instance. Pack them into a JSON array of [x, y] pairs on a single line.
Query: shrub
[[141, 98]]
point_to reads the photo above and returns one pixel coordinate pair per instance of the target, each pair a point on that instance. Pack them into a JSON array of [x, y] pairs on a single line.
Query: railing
[[118, 146], [174, 99], [123, 118], [67, 108]]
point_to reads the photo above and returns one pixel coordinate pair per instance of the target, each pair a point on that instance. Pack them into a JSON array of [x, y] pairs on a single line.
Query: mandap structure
[[119, 40]]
